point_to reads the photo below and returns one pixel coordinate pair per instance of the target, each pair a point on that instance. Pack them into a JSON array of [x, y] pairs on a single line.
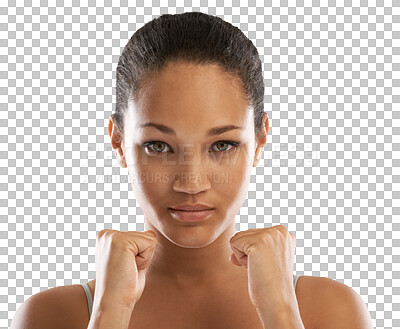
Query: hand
[[121, 262], [268, 255]]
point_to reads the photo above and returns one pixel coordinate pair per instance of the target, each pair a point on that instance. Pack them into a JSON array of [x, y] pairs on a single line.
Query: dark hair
[[192, 37]]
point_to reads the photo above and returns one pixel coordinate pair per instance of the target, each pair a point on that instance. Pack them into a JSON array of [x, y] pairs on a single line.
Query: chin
[[198, 238]]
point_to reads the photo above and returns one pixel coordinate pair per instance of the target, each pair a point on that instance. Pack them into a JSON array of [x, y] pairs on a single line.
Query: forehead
[[190, 97]]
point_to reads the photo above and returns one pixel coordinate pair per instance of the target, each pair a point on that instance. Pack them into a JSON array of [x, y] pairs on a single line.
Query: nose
[[192, 175], [191, 182]]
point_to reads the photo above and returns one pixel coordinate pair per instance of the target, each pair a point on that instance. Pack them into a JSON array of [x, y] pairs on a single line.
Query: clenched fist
[[121, 262]]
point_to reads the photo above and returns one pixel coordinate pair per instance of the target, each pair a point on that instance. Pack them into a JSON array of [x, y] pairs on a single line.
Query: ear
[[116, 142], [262, 140]]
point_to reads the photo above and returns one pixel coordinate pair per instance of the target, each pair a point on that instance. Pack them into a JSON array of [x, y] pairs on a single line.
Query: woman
[[189, 126]]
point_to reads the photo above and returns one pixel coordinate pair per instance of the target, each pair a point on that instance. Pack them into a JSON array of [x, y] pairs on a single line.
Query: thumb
[[233, 260], [150, 231]]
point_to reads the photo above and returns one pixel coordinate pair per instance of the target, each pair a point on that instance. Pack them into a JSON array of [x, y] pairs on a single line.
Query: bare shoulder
[[331, 304], [58, 307]]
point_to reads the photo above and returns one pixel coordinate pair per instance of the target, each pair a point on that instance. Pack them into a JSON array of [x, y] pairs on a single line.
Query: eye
[[159, 146], [224, 144]]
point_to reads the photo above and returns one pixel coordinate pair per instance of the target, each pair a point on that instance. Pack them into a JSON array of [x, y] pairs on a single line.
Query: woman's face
[[190, 161]]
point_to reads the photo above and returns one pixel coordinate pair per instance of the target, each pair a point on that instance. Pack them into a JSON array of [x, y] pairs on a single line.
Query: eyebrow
[[211, 132]]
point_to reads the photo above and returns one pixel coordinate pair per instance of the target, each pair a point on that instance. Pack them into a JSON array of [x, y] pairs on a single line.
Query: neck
[[191, 259]]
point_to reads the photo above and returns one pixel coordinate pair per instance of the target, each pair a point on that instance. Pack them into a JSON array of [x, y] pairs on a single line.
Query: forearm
[[281, 315], [282, 320], [110, 318]]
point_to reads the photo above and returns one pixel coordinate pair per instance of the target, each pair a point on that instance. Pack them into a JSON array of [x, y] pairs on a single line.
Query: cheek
[[148, 177], [149, 189], [232, 178]]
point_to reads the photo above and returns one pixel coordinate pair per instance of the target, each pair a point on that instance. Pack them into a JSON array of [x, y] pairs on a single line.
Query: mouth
[[191, 215]]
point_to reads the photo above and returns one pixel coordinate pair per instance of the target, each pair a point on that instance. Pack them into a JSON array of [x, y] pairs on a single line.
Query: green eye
[[224, 145], [160, 147]]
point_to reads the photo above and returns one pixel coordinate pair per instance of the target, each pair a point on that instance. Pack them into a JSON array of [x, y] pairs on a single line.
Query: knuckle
[[101, 233], [267, 237], [114, 237], [111, 236], [282, 231], [234, 237], [282, 228]]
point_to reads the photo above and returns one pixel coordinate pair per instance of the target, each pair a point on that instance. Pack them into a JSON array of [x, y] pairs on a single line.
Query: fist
[[121, 262], [268, 255]]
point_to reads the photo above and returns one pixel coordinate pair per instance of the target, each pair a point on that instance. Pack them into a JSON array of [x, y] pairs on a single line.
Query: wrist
[[281, 319], [105, 315], [110, 317], [282, 314], [107, 302]]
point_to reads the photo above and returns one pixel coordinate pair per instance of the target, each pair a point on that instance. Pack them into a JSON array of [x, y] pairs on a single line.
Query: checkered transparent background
[[331, 163]]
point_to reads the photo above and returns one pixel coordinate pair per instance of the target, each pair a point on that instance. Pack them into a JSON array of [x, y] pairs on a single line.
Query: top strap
[[88, 297]]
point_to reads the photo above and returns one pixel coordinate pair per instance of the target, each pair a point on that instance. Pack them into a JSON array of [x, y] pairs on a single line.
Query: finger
[[233, 260], [152, 232], [240, 256]]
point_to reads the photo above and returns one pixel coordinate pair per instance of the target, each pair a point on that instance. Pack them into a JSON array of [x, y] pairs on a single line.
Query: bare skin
[[190, 282], [190, 99], [190, 270], [226, 303], [191, 261], [320, 301]]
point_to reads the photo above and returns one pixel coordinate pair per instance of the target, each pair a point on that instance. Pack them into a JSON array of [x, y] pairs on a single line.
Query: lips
[[192, 207], [191, 216]]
